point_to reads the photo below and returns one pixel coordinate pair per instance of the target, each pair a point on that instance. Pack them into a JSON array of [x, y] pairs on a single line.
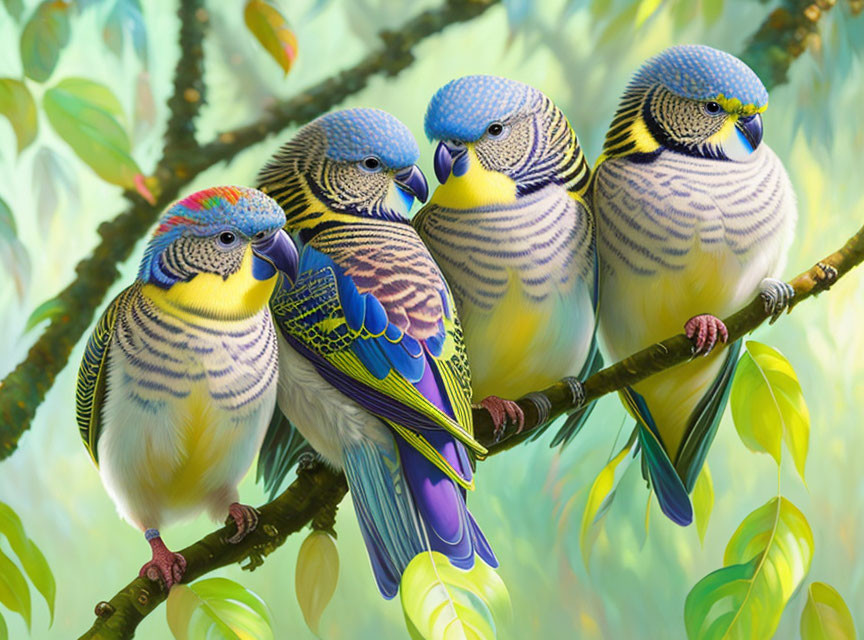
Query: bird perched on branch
[[515, 239], [178, 379], [695, 217], [372, 366]]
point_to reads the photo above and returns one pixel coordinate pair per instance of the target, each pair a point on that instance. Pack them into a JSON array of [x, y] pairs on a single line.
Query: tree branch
[[24, 389]]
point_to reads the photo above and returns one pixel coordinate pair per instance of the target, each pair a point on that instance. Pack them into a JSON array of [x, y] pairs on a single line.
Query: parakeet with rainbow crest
[[372, 369], [695, 218], [513, 234], [178, 380]]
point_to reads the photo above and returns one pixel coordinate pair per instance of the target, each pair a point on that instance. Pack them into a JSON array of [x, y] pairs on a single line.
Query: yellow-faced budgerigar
[[695, 215], [178, 380], [515, 239], [372, 367]]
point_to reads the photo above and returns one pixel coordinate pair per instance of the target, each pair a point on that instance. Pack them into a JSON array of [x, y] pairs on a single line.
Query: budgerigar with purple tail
[[695, 218], [178, 380], [373, 371]]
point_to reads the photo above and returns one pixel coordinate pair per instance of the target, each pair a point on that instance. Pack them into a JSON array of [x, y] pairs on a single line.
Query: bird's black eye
[[371, 164], [226, 238], [495, 129], [712, 107]]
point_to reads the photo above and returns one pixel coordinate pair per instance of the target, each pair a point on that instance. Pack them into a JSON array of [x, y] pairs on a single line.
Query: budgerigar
[[514, 238], [178, 380], [695, 217], [372, 367]]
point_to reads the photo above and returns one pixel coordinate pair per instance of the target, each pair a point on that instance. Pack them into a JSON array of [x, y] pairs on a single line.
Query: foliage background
[[529, 501]]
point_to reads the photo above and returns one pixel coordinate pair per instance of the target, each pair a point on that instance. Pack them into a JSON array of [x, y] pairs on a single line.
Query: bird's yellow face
[[476, 187]]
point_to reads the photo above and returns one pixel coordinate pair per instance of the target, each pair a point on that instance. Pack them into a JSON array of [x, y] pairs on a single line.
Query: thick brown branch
[[24, 389]]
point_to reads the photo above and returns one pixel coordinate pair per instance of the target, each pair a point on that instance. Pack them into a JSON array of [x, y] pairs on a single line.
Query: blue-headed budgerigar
[[695, 217], [178, 380], [372, 366], [514, 237]]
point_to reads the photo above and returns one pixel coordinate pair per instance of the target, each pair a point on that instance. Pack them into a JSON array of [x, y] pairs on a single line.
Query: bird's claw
[[306, 461], [246, 519], [829, 276], [776, 296], [704, 330], [503, 411], [577, 391], [165, 567]]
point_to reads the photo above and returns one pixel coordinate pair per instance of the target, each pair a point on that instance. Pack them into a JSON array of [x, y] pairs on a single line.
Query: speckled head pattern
[[463, 108], [702, 73], [354, 134]]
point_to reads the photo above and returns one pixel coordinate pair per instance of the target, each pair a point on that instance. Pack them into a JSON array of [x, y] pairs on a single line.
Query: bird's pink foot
[[246, 519], [503, 411], [165, 566], [704, 331]]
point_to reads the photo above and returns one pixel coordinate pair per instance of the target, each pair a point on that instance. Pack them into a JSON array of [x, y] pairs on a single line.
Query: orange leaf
[[273, 32]]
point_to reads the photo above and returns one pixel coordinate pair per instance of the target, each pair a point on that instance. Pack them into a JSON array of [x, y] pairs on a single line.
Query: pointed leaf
[[712, 10], [45, 311], [316, 575], [126, 19], [52, 180], [13, 254], [4, 631], [14, 592], [599, 500], [768, 404], [17, 104], [43, 38], [82, 113], [826, 616], [29, 555], [703, 501], [15, 9], [272, 31], [765, 561], [647, 8], [217, 608], [441, 602]]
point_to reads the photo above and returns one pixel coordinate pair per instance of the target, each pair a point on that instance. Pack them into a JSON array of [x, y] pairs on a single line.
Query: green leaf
[[4, 631], [217, 608], [703, 501], [43, 38], [17, 104], [765, 561], [441, 602], [45, 311], [315, 576], [599, 499], [712, 10], [13, 254], [29, 555], [273, 32], [15, 9], [14, 592], [82, 113], [647, 8], [768, 404], [126, 19], [826, 616]]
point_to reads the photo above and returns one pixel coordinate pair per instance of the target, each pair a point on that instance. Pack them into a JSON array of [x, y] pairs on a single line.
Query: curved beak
[[751, 128], [276, 251], [413, 182], [446, 155]]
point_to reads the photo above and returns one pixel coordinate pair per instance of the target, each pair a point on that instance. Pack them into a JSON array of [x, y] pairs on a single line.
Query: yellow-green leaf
[[15, 9], [4, 631], [768, 405], [599, 499], [712, 10], [217, 608], [44, 36], [29, 555], [13, 254], [826, 616], [14, 592], [647, 8], [703, 501], [83, 113], [441, 602], [765, 561], [17, 104], [273, 32], [316, 575]]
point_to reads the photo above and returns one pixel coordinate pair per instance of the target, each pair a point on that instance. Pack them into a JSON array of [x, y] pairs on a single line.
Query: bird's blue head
[[692, 99], [211, 231], [359, 162], [508, 135]]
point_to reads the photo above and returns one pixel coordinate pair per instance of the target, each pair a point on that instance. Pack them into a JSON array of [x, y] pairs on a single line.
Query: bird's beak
[[450, 158], [751, 128], [413, 182], [276, 251]]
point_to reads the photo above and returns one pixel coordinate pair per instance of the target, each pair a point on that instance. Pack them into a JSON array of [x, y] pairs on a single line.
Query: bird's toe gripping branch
[[828, 277], [704, 331], [503, 412], [777, 296], [246, 519], [165, 567]]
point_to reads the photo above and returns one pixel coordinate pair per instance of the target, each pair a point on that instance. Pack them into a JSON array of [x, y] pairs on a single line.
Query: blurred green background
[[529, 501]]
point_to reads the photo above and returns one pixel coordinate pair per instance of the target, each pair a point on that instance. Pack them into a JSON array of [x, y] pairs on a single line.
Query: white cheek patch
[[737, 146]]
